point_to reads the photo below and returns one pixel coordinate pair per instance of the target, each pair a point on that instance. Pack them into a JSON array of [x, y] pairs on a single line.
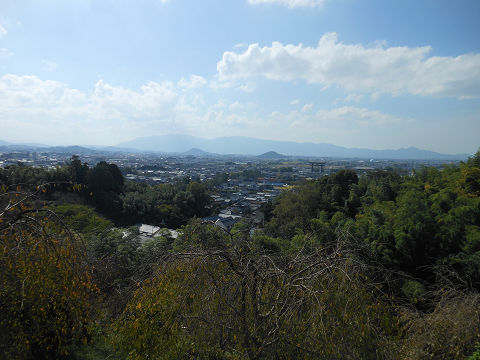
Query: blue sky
[[356, 73]]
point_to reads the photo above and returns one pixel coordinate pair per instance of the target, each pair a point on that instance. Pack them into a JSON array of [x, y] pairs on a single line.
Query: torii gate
[[320, 165]]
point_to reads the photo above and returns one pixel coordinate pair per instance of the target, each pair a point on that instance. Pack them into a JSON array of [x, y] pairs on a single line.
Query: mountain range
[[250, 146], [238, 145]]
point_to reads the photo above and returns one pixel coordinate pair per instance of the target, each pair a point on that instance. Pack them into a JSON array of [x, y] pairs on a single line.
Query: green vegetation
[[103, 187], [381, 266], [47, 292], [241, 301], [411, 224]]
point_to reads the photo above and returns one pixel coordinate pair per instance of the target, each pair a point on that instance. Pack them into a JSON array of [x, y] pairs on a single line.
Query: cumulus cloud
[[345, 125], [246, 87], [105, 110], [47, 110], [3, 31], [290, 3], [344, 117], [5, 53], [353, 98], [359, 116], [34, 109], [152, 100], [358, 69], [307, 107], [235, 106], [30, 93], [195, 81], [49, 65]]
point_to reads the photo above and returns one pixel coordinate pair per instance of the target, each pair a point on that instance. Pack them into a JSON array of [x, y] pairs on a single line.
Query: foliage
[[82, 219], [412, 224], [450, 332], [346, 268], [294, 209], [103, 187], [476, 354], [168, 204], [46, 284], [197, 235], [244, 302]]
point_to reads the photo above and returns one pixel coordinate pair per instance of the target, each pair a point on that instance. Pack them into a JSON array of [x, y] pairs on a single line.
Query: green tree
[[413, 232], [78, 171], [105, 183], [47, 293]]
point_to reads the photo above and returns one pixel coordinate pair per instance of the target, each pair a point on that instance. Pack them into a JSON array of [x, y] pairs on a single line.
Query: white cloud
[[307, 107], [49, 111], [290, 3], [105, 112], [5, 53], [49, 65], [219, 105], [3, 31], [345, 117], [195, 81], [346, 126], [53, 112], [235, 106], [359, 116], [354, 98], [295, 102], [152, 101], [28, 91], [358, 69], [247, 87]]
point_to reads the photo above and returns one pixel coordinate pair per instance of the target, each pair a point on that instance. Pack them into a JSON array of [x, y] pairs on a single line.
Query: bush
[[449, 332]]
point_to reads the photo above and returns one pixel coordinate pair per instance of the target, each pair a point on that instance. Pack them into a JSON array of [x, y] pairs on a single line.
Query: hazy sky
[[357, 73]]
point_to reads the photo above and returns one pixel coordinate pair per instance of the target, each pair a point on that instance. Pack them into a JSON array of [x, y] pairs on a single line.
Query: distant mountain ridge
[[251, 146], [238, 145], [74, 149]]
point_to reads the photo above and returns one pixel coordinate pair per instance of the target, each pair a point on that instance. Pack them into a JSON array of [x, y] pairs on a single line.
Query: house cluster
[[166, 169], [241, 199]]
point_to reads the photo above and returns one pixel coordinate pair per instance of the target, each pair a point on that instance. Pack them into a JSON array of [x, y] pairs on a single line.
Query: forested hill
[[411, 224], [380, 266], [105, 188]]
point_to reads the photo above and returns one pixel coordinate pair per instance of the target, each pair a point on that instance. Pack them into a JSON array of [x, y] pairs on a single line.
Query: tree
[[105, 177], [47, 293], [240, 301], [78, 171], [105, 183]]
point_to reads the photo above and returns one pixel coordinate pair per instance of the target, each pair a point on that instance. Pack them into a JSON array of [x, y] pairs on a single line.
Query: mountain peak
[[271, 155]]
